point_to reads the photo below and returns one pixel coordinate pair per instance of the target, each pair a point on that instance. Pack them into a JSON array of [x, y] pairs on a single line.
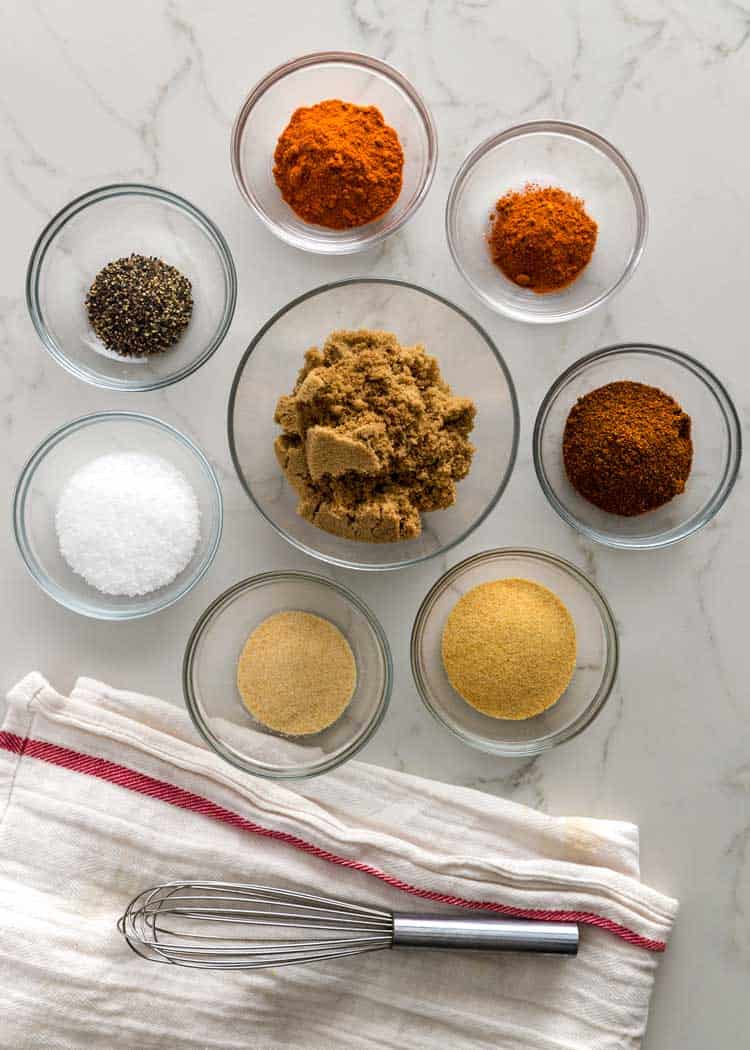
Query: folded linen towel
[[106, 792]]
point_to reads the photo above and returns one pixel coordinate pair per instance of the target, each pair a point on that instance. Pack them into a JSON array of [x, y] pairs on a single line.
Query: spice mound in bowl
[[128, 523], [373, 437], [287, 674], [567, 231], [637, 464], [131, 287], [339, 165], [627, 448], [296, 673], [481, 433], [117, 515], [541, 237], [139, 305], [509, 648], [514, 651]]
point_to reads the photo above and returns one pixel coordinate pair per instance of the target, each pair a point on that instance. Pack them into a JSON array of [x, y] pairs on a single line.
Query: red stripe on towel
[[182, 799]]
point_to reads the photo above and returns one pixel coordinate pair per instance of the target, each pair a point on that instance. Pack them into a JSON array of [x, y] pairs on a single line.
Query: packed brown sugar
[[509, 648], [373, 437]]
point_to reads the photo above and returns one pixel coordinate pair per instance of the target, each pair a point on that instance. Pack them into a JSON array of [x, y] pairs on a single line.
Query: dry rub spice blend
[[627, 447]]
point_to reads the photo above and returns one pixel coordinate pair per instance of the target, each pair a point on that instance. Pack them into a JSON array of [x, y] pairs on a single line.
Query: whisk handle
[[482, 932]]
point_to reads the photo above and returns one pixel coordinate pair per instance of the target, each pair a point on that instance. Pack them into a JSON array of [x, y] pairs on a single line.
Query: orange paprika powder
[[541, 237], [338, 164]]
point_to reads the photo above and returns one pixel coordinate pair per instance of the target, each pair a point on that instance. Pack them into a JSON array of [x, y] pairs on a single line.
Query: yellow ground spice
[[296, 673], [509, 648]]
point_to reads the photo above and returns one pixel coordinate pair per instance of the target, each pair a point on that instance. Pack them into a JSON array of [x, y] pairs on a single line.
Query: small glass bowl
[[210, 669], [550, 153], [469, 362], [313, 78], [44, 477], [110, 223], [596, 661], [716, 433]]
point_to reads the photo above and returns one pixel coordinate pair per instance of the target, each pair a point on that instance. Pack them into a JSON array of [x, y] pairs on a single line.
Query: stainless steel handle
[[482, 932]]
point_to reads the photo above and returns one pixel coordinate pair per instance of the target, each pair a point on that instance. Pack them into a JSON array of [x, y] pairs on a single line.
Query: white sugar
[[128, 523]]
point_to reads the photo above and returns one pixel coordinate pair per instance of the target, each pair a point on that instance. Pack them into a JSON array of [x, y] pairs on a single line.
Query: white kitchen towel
[[105, 793]]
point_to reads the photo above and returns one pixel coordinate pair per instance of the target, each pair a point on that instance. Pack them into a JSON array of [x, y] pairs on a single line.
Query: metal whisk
[[226, 926]]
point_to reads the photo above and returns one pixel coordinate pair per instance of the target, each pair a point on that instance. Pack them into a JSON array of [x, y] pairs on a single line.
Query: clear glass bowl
[[210, 669], [45, 475], [716, 433], [550, 153], [107, 224], [596, 662], [313, 78], [469, 361]]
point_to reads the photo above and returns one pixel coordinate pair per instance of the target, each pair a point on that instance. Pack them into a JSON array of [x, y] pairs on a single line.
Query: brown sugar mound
[[373, 437], [627, 447]]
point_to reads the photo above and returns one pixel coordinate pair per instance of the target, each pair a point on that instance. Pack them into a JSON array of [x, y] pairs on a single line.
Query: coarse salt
[[128, 523]]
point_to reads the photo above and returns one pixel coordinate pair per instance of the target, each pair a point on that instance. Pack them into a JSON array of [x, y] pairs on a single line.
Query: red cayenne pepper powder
[[541, 237]]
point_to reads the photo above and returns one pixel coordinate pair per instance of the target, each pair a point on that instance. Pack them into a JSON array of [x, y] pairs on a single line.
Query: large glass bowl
[[716, 434], [210, 675], [469, 361], [313, 78], [67, 450], [551, 153], [107, 224], [596, 660]]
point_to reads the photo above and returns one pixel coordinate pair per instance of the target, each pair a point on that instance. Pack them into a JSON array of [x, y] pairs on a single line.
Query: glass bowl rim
[[726, 406], [591, 138], [261, 580], [95, 196], [341, 562], [528, 748], [37, 457], [316, 58]]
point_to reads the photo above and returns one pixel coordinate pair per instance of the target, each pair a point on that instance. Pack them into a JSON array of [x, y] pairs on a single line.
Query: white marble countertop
[[93, 93]]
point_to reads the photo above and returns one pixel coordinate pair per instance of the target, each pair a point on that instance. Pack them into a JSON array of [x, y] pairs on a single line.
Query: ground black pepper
[[627, 447], [139, 305]]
